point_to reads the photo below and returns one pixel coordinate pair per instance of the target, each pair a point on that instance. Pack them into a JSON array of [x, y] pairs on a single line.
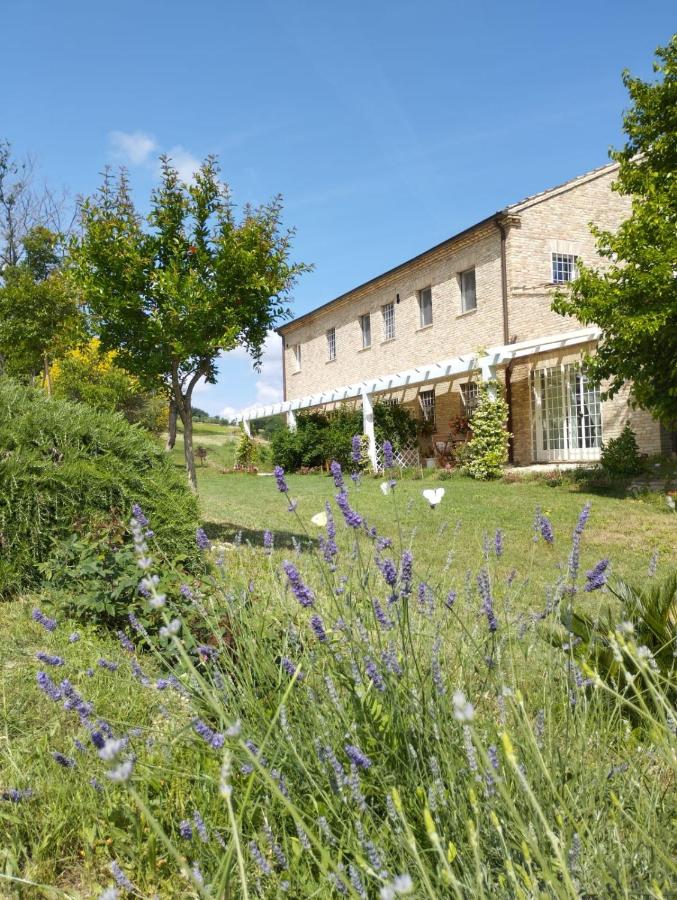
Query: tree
[[23, 207], [171, 293], [39, 315], [634, 300]]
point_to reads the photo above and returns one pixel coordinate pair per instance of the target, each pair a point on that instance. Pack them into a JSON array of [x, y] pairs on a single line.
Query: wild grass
[[348, 728]]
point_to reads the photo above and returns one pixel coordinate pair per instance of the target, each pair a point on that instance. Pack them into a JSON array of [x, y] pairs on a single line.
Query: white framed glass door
[[567, 415]]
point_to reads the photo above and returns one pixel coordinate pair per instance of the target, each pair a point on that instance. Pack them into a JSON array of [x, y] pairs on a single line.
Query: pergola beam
[[486, 362]]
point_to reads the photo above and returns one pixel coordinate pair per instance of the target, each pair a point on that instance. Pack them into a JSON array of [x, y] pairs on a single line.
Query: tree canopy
[[172, 291], [634, 299]]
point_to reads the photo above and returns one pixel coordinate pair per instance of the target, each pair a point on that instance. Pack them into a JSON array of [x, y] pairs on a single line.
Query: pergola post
[[368, 428], [291, 420], [246, 426], [489, 375]]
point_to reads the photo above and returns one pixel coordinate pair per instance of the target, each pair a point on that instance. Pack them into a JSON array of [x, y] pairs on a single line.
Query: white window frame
[[567, 414], [426, 400], [331, 344], [470, 397], [366, 318], [388, 316], [465, 307], [563, 267], [297, 357], [429, 292]]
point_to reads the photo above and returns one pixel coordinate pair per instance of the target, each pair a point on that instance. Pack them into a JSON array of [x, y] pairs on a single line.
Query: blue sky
[[387, 126]]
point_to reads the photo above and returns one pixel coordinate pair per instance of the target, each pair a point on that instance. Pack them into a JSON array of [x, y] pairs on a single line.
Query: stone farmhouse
[[477, 306]]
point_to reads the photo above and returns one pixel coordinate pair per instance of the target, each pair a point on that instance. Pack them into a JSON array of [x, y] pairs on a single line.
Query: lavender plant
[[347, 725]]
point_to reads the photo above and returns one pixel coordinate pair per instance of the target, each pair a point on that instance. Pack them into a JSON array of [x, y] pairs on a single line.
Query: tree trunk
[[173, 416], [187, 419], [48, 375]]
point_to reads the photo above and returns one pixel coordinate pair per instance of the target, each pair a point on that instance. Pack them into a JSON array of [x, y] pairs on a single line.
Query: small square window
[[331, 344], [563, 267], [427, 401], [468, 293], [365, 329], [425, 305], [470, 394], [388, 312], [297, 356]]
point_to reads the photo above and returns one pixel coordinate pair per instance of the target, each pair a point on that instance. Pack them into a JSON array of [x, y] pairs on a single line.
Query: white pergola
[[486, 362]]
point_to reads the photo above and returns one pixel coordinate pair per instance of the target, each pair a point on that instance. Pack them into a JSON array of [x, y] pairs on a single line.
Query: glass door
[[567, 420]]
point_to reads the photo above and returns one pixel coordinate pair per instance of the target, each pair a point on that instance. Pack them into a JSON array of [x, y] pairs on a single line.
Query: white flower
[[433, 496], [385, 488], [110, 893], [319, 519], [122, 772], [158, 601], [670, 501], [173, 628], [400, 886], [464, 711], [111, 748]]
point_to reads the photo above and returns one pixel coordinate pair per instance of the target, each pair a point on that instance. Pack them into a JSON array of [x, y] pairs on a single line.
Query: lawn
[[627, 529]]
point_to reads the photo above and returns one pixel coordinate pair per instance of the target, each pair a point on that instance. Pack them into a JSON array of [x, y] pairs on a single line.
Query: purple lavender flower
[[290, 668], [357, 757], [107, 664], [487, 600], [498, 543], [125, 643], [214, 738], [74, 637], [64, 761], [47, 623], [544, 526], [186, 592], [138, 514], [596, 577], [352, 518], [97, 739], [300, 590], [451, 599], [356, 452], [387, 455], [406, 572], [279, 478], [389, 658], [336, 473], [120, 878], [374, 675], [50, 660], [200, 826], [202, 540], [268, 541], [329, 548], [16, 795], [317, 625], [436, 669], [186, 830], [259, 858], [73, 701], [388, 570], [380, 615]]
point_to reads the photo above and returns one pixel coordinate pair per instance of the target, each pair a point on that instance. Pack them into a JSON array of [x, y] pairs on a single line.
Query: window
[[331, 344], [470, 394], [468, 295], [388, 321], [563, 267], [425, 305], [567, 414], [427, 401], [297, 356], [365, 328]]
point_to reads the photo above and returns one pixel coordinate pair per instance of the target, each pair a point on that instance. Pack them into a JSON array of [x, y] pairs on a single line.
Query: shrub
[[66, 468], [246, 451], [486, 452], [620, 456], [394, 423]]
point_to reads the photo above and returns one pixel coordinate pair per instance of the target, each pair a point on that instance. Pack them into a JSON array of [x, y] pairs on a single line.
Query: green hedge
[[66, 468]]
